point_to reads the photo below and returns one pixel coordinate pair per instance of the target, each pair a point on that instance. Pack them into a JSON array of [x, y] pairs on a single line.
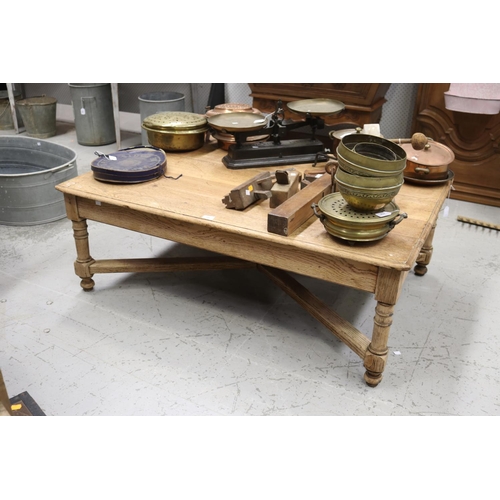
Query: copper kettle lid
[[432, 155]]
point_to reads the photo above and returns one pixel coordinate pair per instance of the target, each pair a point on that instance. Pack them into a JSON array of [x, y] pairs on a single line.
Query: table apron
[[310, 263]]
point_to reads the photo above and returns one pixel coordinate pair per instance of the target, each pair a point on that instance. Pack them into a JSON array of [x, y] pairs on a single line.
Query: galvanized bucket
[[29, 171], [157, 102], [6, 122], [39, 116], [93, 110]]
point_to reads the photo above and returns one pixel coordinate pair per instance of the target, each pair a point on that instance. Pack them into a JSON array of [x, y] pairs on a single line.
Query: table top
[[196, 199]]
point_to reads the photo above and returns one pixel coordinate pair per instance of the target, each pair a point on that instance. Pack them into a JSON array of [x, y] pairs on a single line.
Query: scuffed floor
[[230, 342]]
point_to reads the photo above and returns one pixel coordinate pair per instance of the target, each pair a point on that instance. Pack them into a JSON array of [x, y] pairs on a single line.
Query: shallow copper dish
[[450, 175], [231, 107]]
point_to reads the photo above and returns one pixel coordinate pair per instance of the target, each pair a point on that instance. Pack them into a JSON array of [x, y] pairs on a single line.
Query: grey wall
[[396, 119]]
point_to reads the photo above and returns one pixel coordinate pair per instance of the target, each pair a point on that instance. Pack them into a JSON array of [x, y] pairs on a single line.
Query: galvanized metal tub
[[29, 171], [93, 110]]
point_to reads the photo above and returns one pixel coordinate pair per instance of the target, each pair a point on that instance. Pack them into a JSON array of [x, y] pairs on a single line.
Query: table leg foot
[[372, 379], [376, 354], [425, 255], [83, 258], [374, 364], [87, 284], [420, 269]]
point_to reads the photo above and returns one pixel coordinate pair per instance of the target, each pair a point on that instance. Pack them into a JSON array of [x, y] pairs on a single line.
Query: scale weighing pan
[[316, 107], [238, 122]]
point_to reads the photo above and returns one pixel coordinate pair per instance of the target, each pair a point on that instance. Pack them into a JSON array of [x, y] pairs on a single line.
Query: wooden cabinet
[[363, 101], [474, 139]]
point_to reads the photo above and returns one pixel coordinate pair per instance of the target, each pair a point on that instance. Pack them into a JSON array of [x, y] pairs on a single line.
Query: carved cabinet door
[[474, 139]]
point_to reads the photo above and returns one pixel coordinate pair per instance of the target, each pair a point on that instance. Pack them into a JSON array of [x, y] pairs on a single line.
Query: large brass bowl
[[357, 169], [367, 199], [364, 181], [176, 130], [372, 153]]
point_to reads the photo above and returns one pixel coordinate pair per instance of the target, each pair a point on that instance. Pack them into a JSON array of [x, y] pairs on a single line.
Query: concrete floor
[[203, 344]]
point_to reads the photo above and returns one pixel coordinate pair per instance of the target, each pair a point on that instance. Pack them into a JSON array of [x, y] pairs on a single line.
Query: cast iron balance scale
[[276, 150]]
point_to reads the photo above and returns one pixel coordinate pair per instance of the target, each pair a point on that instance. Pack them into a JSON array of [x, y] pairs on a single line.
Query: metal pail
[[93, 110], [29, 171], [39, 116], [157, 102]]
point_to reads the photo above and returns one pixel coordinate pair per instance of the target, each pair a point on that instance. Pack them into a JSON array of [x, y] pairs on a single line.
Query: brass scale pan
[[249, 122]]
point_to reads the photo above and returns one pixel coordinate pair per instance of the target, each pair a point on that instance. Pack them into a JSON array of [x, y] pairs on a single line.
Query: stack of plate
[[130, 166]]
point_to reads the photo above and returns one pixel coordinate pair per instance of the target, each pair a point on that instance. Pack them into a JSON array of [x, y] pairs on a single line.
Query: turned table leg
[[387, 290], [83, 258], [425, 255], [376, 354]]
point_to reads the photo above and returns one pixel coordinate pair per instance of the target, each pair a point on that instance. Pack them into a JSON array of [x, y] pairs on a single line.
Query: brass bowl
[[224, 140], [342, 221], [237, 122], [176, 130], [373, 153], [374, 150], [356, 169], [367, 199], [316, 107], [368, 181]]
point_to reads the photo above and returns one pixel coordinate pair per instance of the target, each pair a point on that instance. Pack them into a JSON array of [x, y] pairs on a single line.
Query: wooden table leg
[[83, 258], [376, 354], [388, 288], [425, 255]]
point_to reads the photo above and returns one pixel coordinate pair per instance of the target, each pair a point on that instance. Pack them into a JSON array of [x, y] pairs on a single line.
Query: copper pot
[[430, 163]]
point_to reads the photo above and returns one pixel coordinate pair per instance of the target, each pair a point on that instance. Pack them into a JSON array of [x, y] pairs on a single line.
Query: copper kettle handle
[[422, 169]]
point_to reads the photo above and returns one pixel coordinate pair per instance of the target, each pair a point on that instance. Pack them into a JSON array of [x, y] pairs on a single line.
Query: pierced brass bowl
[[176, 130], [367, 199], [343, 221], [364, 181]]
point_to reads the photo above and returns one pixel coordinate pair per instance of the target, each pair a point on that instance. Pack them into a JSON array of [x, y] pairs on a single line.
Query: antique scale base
[[260, 154], [277, 151]]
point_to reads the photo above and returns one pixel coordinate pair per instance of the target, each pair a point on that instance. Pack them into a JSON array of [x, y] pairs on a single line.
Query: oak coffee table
[[189, 210]]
